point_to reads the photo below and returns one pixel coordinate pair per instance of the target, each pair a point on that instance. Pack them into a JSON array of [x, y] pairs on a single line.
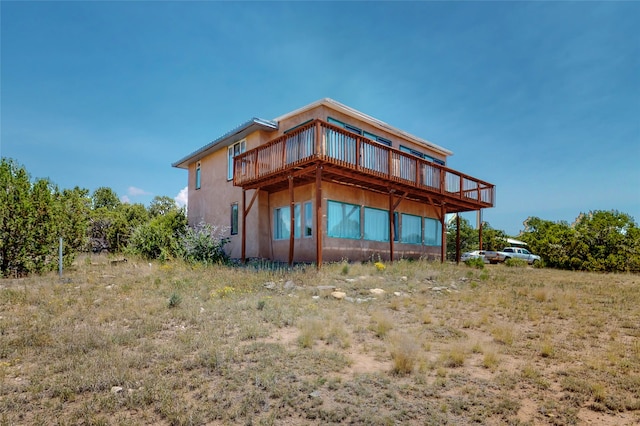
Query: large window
[[343, 220], [198, 181], [421, 155], [234, 218], [233, 150], [376, 224], [411, 229], [302, 221], [281, 223], [432, 232]]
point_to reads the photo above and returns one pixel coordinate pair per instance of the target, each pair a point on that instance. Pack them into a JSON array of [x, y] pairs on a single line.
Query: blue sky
[[540, 98]]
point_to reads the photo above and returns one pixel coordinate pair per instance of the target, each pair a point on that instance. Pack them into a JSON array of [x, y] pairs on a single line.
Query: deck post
[[480, 229], [391, 225], [244, 226], [458, 238], [318, 216], [443, 242], [291, 220]]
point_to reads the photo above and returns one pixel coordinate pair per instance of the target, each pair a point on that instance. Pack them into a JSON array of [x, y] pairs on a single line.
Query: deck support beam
[[458, 238], [480, 229], [443, 242], [291, 220], [245, 212], [318, 216]]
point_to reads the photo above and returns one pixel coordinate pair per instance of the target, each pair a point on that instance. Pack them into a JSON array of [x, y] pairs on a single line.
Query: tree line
[[35, 214], [602, 241]]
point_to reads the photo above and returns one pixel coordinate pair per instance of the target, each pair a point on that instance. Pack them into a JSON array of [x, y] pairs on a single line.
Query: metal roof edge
[[259, 123]]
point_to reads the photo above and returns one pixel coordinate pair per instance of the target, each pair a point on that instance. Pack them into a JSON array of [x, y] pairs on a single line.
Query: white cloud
[[124, 199], [182, 199], [134, 192]]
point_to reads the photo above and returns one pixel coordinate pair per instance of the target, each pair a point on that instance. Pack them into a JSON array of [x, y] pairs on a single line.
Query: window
[[234, 218], [343, 220], [198, 175], [376, 224], [281, 223], [308, 219], [432, 232], [233, 150], [421, 155], [411, 231], [302, 221]]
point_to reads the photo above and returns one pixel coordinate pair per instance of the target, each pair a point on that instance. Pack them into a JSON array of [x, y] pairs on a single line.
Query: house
[[327, 182]]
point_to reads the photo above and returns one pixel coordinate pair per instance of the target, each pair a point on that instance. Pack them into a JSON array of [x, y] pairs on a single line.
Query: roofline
[[328, 102], [238, 133]]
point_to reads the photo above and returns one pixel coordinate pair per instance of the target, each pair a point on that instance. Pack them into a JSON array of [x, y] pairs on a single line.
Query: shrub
[[475, 262], [205, 243], [516, 263]]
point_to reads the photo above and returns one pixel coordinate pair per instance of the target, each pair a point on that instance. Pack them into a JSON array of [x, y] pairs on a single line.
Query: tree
[[161, 205], [33, 216], [493, 239], [15, 204], [607, 241], [469, 238], [104, 197]]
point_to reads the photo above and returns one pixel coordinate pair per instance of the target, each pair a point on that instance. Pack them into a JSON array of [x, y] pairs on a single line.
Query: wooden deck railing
[[322, 141]]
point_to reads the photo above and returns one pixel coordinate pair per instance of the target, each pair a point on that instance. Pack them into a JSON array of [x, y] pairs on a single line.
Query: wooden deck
[[349, 159]]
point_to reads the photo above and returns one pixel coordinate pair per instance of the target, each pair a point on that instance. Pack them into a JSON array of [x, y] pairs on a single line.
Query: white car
[[473, 255]]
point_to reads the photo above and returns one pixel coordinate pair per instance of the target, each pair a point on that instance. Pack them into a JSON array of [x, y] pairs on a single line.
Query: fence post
[[60, 258]]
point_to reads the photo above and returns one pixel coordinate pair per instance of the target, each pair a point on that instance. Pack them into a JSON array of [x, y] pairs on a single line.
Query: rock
[[377, 291], [116, 389], [403, 278], [315, 394], [325, 287], [289, 285], [315, 297], [397, 293], [350, 280], [349, 299], [339, 295], [270, 285]]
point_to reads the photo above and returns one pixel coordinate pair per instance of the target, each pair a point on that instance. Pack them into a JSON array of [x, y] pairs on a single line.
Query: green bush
[[160, 238], [475, 262], [204, 243], [516, 263]]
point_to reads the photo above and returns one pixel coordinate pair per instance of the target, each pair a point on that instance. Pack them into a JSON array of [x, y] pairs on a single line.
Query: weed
[[515, 263], [404, 351], [175, 300], [382, 323]]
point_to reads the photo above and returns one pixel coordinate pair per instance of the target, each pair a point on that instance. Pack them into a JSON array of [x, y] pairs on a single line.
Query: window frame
[[231, 154], [235, 225], [359, 220], [198, 177], [403, 219]]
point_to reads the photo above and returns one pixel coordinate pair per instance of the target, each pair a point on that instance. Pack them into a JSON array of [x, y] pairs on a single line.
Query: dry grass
[[173, 344]]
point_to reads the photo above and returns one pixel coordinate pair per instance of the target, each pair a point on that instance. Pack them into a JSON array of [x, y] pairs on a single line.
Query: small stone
[[350, 280], [339, 295], [201, 310], [349, 299], [269, 285], [315, 394], [397, 293], [377, 291], [315, 297], [116, 389], [325, 287], [403, 278], [289, 285]]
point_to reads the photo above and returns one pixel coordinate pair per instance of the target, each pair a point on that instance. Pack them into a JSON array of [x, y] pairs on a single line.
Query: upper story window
[[198, 179], [421, 155], [233, 150], [359, 131]]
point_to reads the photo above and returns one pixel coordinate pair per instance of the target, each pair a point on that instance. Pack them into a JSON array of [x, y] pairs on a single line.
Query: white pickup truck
[[494, 257]]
